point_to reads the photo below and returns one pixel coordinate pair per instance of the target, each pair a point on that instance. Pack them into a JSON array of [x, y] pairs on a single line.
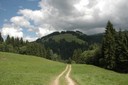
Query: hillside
[[64, 43], [18, 69], [68, 38]]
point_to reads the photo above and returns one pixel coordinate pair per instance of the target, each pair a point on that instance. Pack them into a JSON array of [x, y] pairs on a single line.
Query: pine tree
[[122, 52], [21, 41], [1, 39], [109, 46], [8, 40], [17, 42], [12, 41]]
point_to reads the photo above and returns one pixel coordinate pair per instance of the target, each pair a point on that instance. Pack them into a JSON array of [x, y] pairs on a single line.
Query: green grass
[[18, 69], [92, 75], [68, 38]]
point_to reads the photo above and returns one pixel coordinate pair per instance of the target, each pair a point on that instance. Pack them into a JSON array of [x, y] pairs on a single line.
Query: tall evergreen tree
[[1, 38], [21, 41], [109, 46], [8, 40], [12, 41], [17, 42], [122, 52]]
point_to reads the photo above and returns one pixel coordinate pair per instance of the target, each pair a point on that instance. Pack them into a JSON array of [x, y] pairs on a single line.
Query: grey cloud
[[64, 7], [118, 15], [92, 3]]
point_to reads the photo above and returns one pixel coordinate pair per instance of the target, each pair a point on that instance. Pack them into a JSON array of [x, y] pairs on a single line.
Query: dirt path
[[67, 77], [56, 81], [69, 80]]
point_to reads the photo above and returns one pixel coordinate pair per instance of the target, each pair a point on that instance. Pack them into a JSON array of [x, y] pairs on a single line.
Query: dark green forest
[[108, 50], [66, 42]]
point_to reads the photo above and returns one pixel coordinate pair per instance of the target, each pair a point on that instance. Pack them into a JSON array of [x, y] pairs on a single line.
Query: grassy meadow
[[92, 75], [18, 69]]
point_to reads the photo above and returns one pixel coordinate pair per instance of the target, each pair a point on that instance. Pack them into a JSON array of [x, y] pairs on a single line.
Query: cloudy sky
[[32, 19]]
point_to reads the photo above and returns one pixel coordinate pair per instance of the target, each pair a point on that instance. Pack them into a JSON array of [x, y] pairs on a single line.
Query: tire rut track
[[67, 77]]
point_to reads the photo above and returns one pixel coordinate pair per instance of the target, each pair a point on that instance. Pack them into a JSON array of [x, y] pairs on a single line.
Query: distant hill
[[64, 43], [68, 36]]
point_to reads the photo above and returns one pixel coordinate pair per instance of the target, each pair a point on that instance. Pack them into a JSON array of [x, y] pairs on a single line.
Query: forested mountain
[[64, 43], [55, 46]]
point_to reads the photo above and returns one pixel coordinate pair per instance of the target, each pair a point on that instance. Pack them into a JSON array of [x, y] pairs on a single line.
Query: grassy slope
[[18, 69], [91, 75], [68, 37]]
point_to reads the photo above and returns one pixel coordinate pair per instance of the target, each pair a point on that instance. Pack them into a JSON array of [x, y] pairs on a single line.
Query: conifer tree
[[122, 52], [8, 40], [1, 39], [109, 46], [21, 41], [12, 41], [17, 42]]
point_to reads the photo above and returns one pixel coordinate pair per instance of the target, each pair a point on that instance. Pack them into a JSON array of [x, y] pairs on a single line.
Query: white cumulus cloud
[[34, 15], [20, 21], [12, 31]]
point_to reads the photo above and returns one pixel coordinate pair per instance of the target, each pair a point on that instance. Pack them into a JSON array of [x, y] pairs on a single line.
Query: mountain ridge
[[65, 42]]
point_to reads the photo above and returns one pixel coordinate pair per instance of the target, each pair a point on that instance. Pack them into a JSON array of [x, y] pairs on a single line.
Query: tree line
[[18, 45], [111, 54], [115, 49]]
